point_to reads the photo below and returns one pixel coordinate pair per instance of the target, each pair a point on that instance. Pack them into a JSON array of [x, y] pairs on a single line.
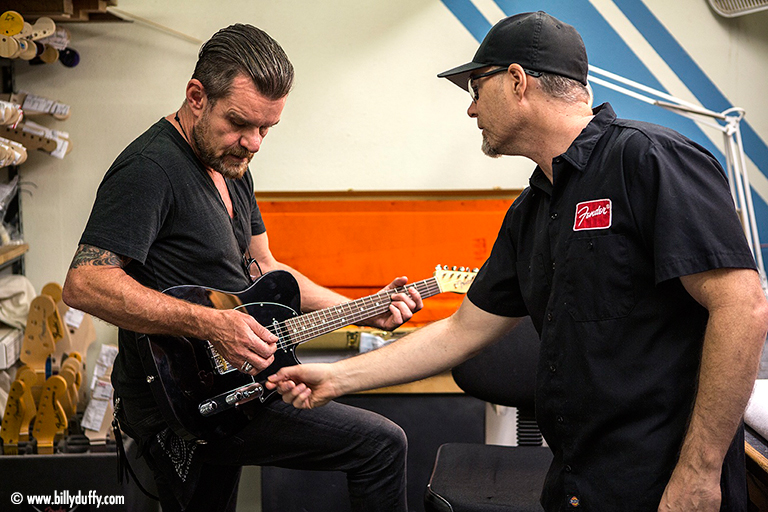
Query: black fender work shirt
[[594, 259]]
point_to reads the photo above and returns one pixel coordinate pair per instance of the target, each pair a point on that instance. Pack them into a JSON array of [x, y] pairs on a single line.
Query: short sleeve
[[131, 205], [681, 198], [496, 287], [257, 223]]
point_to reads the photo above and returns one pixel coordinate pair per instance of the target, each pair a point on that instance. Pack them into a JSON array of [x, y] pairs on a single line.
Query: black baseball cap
[[536, 41]]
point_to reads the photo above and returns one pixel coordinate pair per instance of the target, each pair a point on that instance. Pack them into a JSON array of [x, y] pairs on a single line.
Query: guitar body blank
[[182, 375]]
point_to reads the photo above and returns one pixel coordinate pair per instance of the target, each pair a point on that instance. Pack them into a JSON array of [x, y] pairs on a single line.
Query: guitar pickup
[[231, 399]]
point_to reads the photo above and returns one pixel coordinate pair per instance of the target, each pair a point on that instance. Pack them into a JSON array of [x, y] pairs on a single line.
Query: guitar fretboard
[[297, 330]]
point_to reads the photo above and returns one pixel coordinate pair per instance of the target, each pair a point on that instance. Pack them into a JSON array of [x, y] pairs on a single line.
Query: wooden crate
[[357, 243]]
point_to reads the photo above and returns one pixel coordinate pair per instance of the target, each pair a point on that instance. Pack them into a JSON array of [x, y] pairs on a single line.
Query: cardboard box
[[10, 346]]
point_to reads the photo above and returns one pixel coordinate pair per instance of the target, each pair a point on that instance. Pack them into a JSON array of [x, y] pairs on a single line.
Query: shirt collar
[[581, 148]]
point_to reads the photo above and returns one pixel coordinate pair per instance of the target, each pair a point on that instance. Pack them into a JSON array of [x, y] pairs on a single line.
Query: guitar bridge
[[231, 399], [218, 363]]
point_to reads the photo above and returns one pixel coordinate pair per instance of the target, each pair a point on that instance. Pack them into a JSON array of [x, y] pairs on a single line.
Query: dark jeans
[[369, 448]]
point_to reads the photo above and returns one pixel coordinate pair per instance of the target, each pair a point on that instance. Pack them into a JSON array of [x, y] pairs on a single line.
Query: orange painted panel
[[356, 247]]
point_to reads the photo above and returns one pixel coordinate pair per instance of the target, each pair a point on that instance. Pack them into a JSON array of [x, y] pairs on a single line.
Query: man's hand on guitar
[[403, 306], [305, 386], [240, 339]]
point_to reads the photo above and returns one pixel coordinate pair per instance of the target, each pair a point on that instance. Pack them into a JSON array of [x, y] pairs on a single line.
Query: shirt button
[[568, 468], [553, 216], [573, 501], [552, 368], [549, 316], [553, 265], [560, 419]]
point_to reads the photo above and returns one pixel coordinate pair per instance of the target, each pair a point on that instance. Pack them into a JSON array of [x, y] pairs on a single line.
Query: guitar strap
[[124, 468]]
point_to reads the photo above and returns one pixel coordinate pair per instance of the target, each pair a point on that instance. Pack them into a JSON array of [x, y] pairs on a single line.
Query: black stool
[[489, 478]]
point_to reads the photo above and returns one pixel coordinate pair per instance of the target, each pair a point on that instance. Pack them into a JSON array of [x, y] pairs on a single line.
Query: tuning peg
[[475, 269]]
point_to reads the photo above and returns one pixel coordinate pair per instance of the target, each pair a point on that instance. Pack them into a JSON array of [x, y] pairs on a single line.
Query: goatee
[[488, 149], [207, 154]]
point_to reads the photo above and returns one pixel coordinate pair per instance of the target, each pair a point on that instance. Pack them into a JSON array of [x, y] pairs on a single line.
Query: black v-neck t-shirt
[[158, 206]]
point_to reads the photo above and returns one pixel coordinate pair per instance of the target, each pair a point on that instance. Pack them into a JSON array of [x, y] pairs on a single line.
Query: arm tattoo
[[93, 256]]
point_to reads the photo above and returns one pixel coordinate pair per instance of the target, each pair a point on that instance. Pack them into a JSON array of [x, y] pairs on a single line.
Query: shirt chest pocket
[[598, 278]]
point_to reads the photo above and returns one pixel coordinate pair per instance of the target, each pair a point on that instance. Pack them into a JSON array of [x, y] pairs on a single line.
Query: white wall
[[733, 52], [367, 112]]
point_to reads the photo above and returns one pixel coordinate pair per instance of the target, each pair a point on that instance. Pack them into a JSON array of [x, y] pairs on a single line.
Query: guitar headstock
[[454, 279]]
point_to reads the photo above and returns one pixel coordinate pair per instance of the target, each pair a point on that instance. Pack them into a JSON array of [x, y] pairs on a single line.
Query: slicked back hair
[[243, 49]]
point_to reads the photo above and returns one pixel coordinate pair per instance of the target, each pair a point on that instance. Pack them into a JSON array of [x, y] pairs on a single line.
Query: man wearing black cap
[[628, 256]]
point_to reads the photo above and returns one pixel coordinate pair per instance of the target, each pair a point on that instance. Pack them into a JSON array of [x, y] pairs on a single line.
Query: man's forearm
[[729, 364], [427, 351], [728, 369], [735, 334], [113, 296], [734, 337]]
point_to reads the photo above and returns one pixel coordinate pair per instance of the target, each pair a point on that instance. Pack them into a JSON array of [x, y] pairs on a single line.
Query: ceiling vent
[[732, 8]]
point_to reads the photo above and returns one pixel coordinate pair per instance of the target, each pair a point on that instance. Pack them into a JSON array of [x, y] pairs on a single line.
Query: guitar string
[[286, 330], [292, 328], [428, 287], [283, 330], [302, 334]]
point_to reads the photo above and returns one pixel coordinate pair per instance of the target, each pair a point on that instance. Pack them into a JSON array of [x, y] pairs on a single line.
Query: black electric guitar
[[201, 394]]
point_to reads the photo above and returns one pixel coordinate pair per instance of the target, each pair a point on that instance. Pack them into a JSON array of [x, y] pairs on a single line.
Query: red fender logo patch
[[595, 214]]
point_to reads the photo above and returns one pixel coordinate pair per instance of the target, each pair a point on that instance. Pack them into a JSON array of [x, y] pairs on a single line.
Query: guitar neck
[[311, 325]]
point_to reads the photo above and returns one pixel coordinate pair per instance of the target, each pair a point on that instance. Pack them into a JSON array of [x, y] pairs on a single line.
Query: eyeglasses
[[473, 90]]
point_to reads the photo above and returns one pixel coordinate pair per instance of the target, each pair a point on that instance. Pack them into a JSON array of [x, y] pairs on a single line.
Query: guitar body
[[182, 373]]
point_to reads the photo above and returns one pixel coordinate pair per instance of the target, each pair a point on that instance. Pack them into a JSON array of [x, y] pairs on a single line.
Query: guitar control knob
[[257, 390], [207, 408], [233, 398]]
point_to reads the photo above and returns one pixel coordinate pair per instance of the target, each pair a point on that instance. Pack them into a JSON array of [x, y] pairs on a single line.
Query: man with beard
[[627, 254], [177, 207]]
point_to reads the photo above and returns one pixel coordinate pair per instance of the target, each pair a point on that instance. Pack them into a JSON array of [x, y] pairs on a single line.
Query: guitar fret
[[349, 313], [311, 325]]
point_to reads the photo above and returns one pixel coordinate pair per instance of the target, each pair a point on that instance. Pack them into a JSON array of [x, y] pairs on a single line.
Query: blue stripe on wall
[[466, 12]]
